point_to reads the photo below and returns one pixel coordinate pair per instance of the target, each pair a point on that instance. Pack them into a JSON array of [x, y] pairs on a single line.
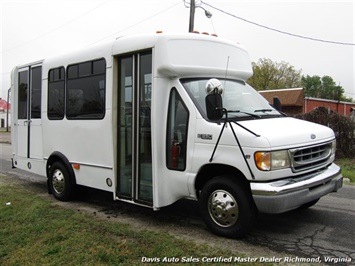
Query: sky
[[33, 30]]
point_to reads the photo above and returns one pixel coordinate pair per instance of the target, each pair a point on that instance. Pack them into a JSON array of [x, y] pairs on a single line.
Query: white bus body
[[130, 117]]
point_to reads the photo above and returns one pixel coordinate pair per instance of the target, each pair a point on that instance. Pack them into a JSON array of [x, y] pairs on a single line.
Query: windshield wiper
[[238, 111], [263, 110]]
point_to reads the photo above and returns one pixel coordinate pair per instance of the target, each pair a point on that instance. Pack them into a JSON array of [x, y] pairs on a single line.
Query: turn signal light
[[263, 160], [76, 166]]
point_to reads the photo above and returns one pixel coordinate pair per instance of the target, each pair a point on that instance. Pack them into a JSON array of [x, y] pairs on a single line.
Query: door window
[[145, 138], [36, 92], [22, 95], [134, 133], [177, 128], [125, 126]]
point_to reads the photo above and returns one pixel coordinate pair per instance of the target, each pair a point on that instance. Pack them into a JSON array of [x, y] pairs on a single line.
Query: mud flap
[[49, 190]]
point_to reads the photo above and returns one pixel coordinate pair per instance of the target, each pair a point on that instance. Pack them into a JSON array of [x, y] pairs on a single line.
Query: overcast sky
[[33, 30]]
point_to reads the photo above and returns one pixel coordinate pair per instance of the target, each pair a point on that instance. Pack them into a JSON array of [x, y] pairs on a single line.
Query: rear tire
[[60, 182], [227, 207]]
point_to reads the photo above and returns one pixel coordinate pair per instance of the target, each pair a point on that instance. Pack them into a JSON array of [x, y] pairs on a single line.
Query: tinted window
[[56, 88], [85, 97], [85, 69], [73, 71], [99, 67]]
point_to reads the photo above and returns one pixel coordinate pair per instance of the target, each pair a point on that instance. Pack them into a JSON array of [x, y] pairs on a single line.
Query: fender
[[58, 156]]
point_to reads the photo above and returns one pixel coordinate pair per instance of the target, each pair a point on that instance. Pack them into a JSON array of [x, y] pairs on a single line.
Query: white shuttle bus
[[158, 118]]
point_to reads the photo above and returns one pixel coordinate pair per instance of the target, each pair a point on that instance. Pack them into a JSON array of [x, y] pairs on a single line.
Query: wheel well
[[209, 171], [59, 157]]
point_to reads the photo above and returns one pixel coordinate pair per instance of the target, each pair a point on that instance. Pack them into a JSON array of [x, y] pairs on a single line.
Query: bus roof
[[177, 55], [190, 54]]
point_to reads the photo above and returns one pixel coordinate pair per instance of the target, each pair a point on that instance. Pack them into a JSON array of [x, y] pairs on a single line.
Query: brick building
[[343, 108], [293, 101], [4, 106]]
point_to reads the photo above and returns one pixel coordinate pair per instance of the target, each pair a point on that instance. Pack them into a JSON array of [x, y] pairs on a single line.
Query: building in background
[[294, 102], [5, 116]]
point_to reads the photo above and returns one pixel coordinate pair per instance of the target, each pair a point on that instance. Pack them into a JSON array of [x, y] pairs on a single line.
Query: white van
[[158, 118]]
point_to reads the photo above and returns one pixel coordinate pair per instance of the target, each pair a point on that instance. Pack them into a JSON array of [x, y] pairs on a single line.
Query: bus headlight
[[275, 160]]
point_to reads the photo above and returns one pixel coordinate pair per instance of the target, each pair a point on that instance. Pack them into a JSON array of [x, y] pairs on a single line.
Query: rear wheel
[[60, 182], [227, 207]]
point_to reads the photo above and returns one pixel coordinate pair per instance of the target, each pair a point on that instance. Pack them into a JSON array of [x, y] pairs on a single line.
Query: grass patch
[[33, 231], [347, 168]]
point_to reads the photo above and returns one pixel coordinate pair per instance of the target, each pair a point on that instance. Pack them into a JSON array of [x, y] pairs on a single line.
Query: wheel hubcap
[[223, 208], [58, 181]]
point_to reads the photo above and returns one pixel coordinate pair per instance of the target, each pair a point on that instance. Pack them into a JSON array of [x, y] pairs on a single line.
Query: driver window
[[178, 118]]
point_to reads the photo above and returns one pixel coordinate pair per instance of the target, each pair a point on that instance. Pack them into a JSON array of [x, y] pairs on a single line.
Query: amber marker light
[[76, 166], [263, 160]]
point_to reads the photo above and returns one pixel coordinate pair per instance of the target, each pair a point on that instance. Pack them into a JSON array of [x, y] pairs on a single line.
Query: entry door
[[29, 131], [134, 133]]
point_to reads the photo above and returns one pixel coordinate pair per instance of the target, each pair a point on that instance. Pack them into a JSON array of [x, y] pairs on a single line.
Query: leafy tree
[[270, 75], [346, 99], [311, 85], [324, 88]]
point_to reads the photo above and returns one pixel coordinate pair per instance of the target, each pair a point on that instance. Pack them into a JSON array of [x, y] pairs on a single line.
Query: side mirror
[[214, 105]]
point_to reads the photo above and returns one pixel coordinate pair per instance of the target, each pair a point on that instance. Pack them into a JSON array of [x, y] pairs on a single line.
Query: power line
[[139, 22], [277, 30]]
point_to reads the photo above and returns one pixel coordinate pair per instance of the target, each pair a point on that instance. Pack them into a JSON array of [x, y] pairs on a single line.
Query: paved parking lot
[[5, 137]]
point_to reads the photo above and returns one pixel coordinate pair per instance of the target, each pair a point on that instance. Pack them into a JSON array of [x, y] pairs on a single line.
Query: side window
[[177, 128], [36, 90], [56, 88], [85, 98]]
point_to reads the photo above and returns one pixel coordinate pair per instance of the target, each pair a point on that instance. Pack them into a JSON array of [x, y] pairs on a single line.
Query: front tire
[[60, 182], [227, 207]]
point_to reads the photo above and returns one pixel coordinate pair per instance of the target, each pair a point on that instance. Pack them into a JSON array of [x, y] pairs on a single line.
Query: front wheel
[[60, 182], [226, 207]]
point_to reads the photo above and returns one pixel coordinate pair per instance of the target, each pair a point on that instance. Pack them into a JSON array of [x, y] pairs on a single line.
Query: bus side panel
[[34, 166], [86, 142]]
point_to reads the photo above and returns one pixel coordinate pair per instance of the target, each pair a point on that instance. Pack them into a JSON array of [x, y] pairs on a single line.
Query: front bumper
[[291, 193]]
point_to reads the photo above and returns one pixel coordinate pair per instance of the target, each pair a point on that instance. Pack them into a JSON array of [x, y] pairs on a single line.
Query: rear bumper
[[288, 194]]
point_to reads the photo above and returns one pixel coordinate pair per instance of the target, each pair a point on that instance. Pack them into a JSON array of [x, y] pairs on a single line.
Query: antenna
[[225, 78]]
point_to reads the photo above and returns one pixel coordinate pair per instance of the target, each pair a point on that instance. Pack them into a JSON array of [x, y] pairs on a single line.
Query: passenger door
[[29, 131], [134, 132]]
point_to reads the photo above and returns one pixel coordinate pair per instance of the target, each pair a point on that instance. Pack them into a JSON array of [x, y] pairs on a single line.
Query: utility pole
[[192, 15]]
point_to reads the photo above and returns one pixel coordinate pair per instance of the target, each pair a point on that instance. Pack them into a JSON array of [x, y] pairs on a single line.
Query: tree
[[270, 75], [311, 85], [324, 88]]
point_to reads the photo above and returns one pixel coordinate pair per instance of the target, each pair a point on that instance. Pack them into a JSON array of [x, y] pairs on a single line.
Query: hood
[[287, 132]]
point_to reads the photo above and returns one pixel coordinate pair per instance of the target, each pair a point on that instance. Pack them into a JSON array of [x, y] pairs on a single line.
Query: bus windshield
[[239, 99]]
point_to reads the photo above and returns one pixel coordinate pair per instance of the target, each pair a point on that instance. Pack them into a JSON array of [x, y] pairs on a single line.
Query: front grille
[[310, 157]]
